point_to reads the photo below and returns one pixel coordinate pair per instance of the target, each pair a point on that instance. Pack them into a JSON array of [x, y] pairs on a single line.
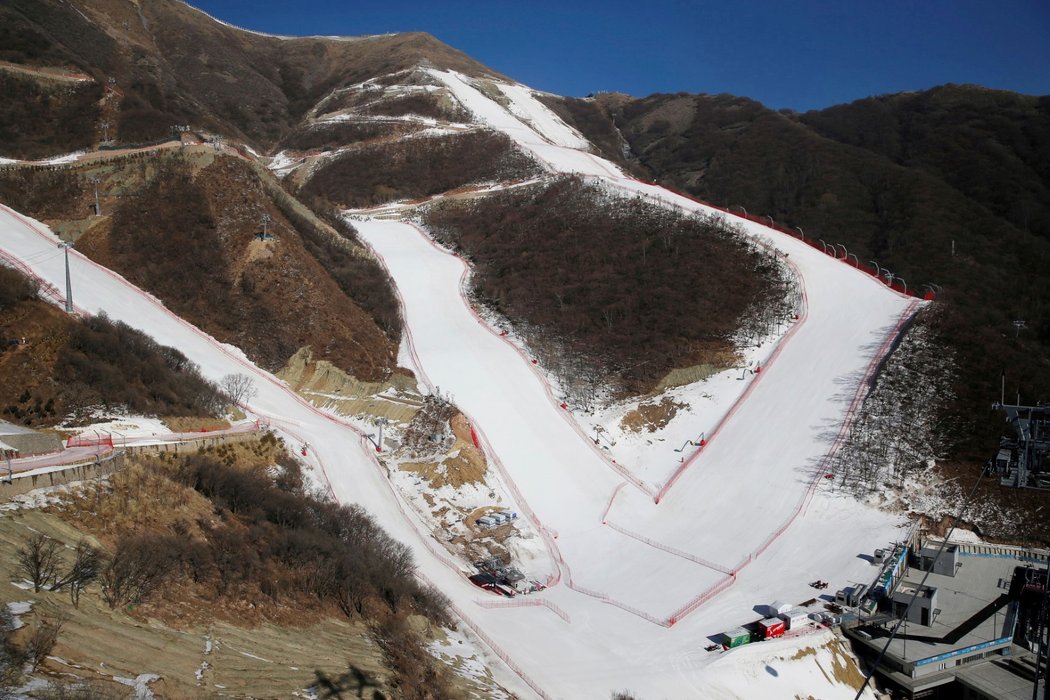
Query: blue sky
[[800, 54]]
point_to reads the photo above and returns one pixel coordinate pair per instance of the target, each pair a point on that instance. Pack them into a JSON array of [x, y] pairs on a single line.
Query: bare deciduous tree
[[138, 566], [87, 564], [43, 640], [239, 388], [38, 560]]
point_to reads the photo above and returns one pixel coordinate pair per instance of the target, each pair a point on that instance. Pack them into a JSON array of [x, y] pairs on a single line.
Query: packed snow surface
[[638, 588]]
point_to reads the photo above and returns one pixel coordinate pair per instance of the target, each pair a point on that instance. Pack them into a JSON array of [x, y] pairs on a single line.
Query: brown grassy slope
[[233, 544], [175, 65], [190, 238], [634, 289], [733, 151]]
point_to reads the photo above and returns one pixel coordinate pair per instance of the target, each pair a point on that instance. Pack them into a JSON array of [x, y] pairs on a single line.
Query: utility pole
[[105, 131], [379, 444], [1018, 325], [266, 219], [98, 205], [69, 285]]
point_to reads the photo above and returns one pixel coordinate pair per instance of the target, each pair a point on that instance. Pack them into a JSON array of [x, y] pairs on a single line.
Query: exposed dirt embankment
[[462, 463], [324, 384]]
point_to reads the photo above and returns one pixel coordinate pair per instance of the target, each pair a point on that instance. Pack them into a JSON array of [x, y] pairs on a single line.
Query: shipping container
[[737, 637], [771, 627], [795, 618]]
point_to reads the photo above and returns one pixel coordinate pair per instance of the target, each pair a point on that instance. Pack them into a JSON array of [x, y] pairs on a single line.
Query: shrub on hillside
[[43, 191], [40, 118], [342, 133], [155, 256], [426, 104], [610, 290], [140, 564], [335, 553], [358, 274], [416, 167], [15, 287], [112, 364]]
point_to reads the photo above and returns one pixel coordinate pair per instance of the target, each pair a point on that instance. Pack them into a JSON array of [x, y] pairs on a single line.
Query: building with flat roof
[[958, 621]]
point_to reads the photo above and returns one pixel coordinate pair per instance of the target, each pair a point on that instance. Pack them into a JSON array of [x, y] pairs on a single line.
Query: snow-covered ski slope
[[623, 582], [741, 518]]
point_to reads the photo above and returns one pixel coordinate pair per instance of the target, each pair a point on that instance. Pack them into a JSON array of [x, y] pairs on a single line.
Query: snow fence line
[[801, 316], [97, 441], [528, 602], [94, 460], [669, 549], [499, 651], [844, 428], [606, 598], [612, 499]]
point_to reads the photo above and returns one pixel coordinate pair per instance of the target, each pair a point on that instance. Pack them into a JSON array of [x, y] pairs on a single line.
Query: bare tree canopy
[[240, 388]]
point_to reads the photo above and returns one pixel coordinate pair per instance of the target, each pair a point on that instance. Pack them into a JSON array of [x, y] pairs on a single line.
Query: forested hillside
[[948, 188]]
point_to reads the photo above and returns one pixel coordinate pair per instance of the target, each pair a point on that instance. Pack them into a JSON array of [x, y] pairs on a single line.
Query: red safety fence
[[612, 499], [499, 651], [86, 440], [526, 602], [670, 550], [698, 601]]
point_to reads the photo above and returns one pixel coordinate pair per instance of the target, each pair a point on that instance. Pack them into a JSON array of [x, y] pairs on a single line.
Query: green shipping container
[[737, 637]]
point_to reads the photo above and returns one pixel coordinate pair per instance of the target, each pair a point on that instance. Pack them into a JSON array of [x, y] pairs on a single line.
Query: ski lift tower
[[1023, 461]]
